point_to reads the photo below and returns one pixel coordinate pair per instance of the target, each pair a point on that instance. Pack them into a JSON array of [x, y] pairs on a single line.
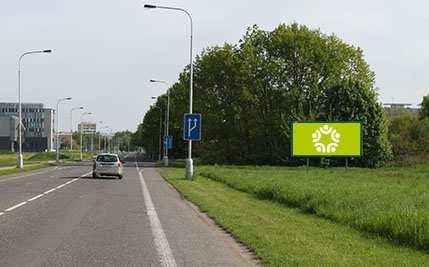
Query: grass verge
[[390, 202], [27, 168], [283, 236]]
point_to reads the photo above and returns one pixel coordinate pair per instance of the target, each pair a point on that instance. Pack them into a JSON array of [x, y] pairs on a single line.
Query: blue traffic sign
[[168, 142], [192, 127]]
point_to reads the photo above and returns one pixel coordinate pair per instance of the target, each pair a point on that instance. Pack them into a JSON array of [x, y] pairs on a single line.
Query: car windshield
[[107, 158]]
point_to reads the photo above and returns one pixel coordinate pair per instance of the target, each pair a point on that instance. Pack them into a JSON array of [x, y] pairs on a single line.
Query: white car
[[108, 165]]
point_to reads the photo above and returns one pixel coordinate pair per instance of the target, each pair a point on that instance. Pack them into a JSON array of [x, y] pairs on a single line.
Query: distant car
[[107, 165]]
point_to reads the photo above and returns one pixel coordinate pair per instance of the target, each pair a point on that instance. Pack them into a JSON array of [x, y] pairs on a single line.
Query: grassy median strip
[[27, 168], [390, 202], [283, 236]]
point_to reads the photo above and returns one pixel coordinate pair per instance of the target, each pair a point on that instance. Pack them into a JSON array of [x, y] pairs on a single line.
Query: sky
[[105, 51]]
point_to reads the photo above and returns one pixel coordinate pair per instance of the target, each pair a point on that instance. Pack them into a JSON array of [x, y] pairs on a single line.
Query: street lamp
[[71, 128], [81, 116], [20, 163], [189, 162], [160, 128], [99, 137], [105, 138], [167, 120], [58, 125]]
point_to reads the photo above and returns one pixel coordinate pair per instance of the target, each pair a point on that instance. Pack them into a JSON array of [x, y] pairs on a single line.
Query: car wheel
[[120, 176]]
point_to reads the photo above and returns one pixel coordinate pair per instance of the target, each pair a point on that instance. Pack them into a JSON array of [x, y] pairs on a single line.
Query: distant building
[[395, 109], [38, 126], [8, 132]]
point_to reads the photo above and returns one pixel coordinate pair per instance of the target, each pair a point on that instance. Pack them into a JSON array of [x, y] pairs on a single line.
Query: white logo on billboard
[[334, 136]]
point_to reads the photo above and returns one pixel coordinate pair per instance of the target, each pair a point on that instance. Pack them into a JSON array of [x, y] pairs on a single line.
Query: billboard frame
[[291, 123]]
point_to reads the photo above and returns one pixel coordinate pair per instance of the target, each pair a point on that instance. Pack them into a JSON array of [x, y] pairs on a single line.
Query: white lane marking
[[16, 206], [49, 191], [41, 195], [160, 240], [36, 197]]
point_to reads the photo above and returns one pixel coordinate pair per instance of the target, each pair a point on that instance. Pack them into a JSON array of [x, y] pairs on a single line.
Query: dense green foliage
[[284, 236], [424, 112], [249, 92], [390, 202], [409, 135]]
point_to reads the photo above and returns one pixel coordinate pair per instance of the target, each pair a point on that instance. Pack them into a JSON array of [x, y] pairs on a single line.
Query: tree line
[[249, 92]]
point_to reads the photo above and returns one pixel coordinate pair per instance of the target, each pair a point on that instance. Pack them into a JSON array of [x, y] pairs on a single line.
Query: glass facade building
[[38, 123]]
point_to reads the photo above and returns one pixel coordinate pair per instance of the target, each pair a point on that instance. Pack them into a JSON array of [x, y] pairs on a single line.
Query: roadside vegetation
[[8, 159], [288, 234], [389, 202], [27, 168], [409, 135], [249, 92]]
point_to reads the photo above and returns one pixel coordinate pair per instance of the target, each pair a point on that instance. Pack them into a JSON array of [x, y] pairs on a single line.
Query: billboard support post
[[308, 164]]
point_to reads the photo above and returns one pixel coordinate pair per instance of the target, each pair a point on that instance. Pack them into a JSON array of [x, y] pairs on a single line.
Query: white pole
[[20, 163], [71, 128], [58, 127], [189, 162]]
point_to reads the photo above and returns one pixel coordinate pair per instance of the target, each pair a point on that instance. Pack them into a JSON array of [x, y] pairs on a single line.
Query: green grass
[[9, 158], [26, 168], [284, 236], [389, 202]]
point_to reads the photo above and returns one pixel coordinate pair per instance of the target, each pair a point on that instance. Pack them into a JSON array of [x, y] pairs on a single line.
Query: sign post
[[168, 142]]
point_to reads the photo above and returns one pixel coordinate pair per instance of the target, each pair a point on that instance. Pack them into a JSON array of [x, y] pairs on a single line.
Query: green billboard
[[326, 139]]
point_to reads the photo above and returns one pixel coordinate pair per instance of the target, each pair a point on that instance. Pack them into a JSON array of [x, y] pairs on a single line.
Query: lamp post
[[99, 138], [80, 130], [71, 128], [167, 121], [20, 163], [189, 161], [58, 126], [160, 129]]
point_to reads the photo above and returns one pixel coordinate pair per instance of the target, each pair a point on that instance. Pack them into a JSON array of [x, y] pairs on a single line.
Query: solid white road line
[[41, 195], [16, 206], [160, 240], [49, 191], [36, 197]]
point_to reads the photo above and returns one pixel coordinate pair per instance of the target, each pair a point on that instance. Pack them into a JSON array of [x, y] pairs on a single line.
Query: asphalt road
[[64, 217]]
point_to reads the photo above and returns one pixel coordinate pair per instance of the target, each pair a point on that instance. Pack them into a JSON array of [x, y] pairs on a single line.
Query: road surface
[[63, 217]]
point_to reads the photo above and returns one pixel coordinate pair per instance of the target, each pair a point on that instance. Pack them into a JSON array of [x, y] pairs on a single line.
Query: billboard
[[87, 127], [326, 139]]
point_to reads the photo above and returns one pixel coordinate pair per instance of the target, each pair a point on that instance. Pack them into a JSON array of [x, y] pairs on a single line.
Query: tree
[[424, 112], [249, 93]]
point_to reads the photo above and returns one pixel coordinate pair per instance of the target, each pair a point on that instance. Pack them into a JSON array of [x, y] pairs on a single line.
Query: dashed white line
[[36, 197], [41, 195], [159, 237], [16, 206], [49, 191]]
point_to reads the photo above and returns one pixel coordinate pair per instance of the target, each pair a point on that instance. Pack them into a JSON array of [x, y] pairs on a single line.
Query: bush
[[409, 137]]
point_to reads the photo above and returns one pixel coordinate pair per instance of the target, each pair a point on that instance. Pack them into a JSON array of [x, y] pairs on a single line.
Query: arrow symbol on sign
[[190, 129]]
